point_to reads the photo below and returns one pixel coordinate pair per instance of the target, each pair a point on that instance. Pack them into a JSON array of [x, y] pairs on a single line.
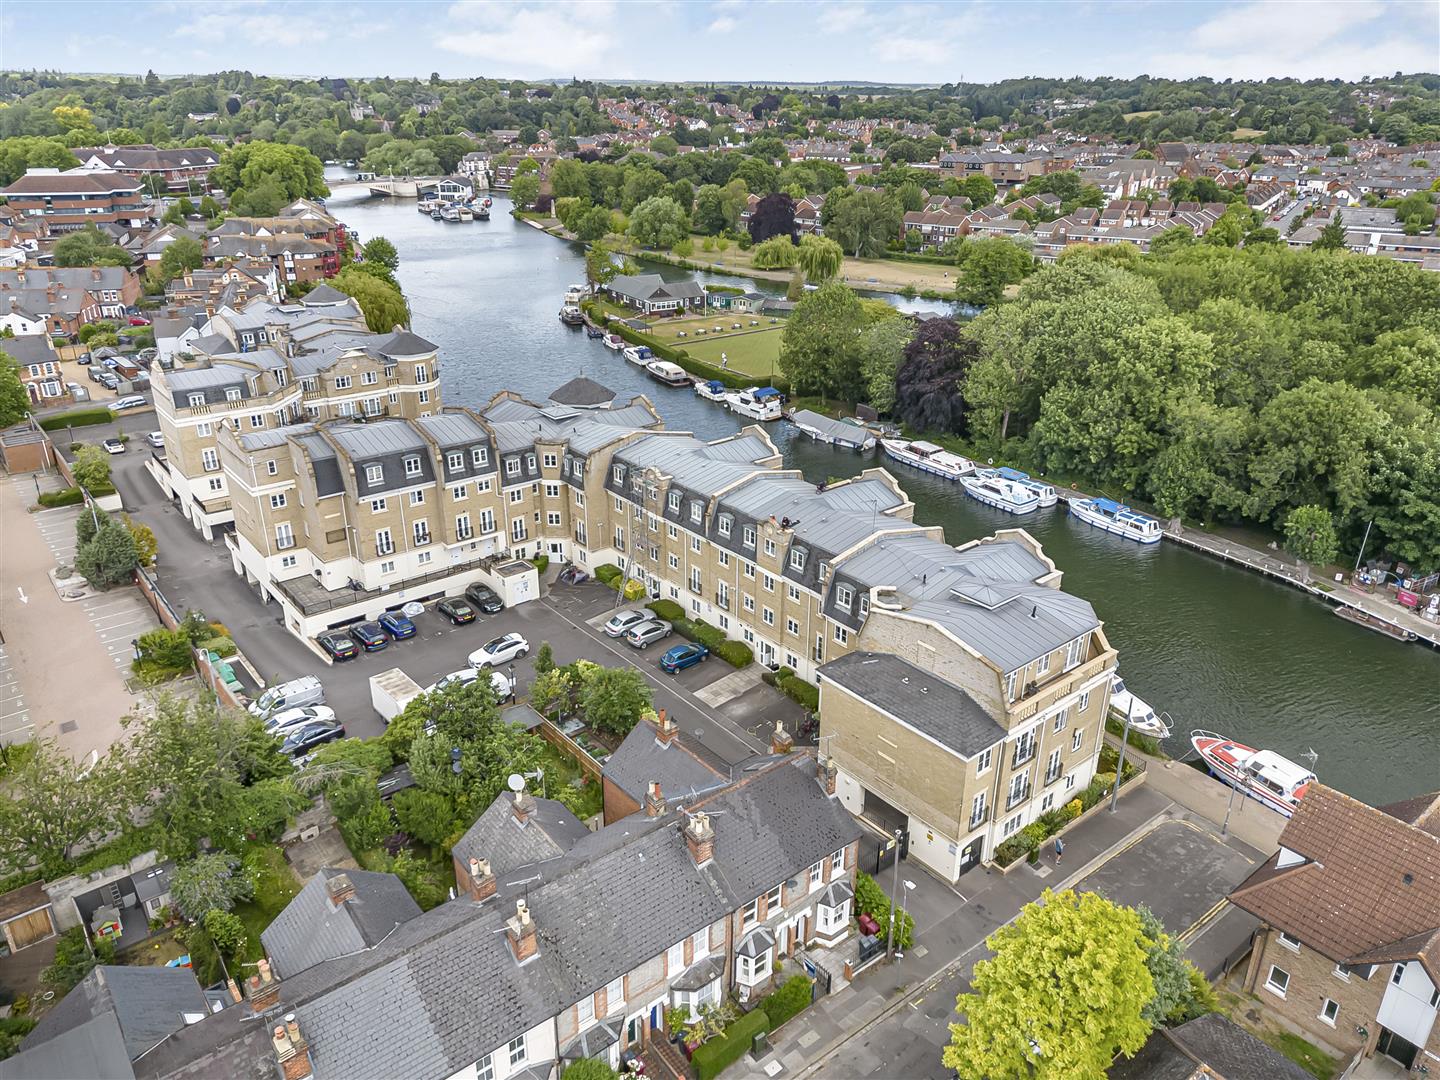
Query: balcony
[[722, 601], [1051, 775], [1023, 754], [1015, 798], [976, 820]]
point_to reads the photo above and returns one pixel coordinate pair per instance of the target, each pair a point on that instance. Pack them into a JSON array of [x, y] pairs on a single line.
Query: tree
[[600, 266], [591, 224], [979, 189], [381, 252], [568, 178], [1332, 236], [525, 190], [776, 253], [426, 816], [89, 247], [1062, 995], [544, 658], [658, 222], [209, 882], [14, 401], [382, 302], [1177, 997], [291, 170], [987, 266], [818, 347], [864, 223], [226, 930], [774, 215], [1310, 535], [109, 558], [146, 547], [180, 255], [1176, 236], [614, 698], [929, 381], [882, 347], [820, 258], [51, 804], [30, 152]]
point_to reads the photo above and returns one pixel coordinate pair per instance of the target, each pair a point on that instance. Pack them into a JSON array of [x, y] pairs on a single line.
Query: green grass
[[275, 886], [1308, 1056], [561, 770], [755, 353]]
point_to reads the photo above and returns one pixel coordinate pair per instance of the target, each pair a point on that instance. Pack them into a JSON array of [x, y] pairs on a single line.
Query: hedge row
[[790, 1000], [735, 653], [712, 1058], [64, 497], [871, 900], [77, 418], [795, 688]]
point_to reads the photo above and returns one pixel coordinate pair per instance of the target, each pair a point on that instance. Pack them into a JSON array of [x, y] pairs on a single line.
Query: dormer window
[[723, 525], [455, 462], [512, 466], [674, 502], [412, 466], [374, 474], [697, 510], [196, 400], [232, 393], [844, 597], [797, 559], [479, 456], [529, 462], [617, 473]]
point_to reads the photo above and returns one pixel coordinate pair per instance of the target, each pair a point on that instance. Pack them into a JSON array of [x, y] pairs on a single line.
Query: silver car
[[640, 637], [622, 621]]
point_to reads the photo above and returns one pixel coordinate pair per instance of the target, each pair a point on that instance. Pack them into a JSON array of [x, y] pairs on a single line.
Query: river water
[[1214, 646]]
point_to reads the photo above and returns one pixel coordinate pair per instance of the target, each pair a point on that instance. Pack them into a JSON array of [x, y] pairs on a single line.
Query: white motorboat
[[663, 371], [614, 342], [638, 354], [1045, 491], [1142, 716], [571, 315], [993, 490], [927, 457], [575, 293], [1117, 518], [464, 212], [758, 403], [711, 390], [1261, 774]]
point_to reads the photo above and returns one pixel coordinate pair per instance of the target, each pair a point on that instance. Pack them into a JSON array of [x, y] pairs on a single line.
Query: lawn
[[755, 352], [561, 769], [1308, 1056]]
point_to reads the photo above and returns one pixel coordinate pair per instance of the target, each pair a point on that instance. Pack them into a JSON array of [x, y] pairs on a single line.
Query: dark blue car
[[370, 636], [683, 656], [398, 626]]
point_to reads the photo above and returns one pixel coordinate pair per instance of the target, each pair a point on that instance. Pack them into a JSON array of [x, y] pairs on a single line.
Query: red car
[[139, 320]]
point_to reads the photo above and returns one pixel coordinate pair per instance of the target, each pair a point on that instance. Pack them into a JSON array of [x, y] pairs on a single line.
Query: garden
[[1028, 841], [722, 1034]]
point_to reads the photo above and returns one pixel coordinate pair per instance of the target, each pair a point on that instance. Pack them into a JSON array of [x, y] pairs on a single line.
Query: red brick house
[[70, 200]]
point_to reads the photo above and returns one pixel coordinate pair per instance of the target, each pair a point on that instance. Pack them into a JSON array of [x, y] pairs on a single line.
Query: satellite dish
[[516, 782]]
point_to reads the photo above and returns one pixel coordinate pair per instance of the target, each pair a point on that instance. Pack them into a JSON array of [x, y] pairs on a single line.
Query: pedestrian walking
[[724, 362], [1059, 849]]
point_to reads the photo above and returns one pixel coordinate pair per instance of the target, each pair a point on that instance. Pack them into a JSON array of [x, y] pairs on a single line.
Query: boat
[[1142, 716], [464, 212], [481, 210], [1117, 518], [437, 214], [758, 403], [488, 201], [835, 432], [425, 206], [711, 390], [927, 457], [991, 489], [1261, 774], [615, 342], [663, 371], [570, 315], [575, 293], [1363, 618], [450, 213], [1045, 491], [593, 331], [638, 354]]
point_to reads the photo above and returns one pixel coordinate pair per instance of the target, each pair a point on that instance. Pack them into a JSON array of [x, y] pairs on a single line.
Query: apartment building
[[185, 169], [70, 200]]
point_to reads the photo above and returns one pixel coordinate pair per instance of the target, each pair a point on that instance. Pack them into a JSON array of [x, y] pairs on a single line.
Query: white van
[[294, 694]]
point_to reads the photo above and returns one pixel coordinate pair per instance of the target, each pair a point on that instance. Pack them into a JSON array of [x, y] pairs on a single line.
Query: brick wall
[[1312, 980], [617, 804]]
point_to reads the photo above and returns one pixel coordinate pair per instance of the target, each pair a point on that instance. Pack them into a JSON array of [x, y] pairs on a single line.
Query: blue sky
[[732, 40]]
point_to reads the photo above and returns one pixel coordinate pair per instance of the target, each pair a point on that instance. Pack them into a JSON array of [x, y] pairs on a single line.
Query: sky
[[732, 40]]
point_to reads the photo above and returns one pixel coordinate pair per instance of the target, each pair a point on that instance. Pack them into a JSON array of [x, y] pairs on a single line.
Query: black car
[[455, 609], [305, 738], [338, 645], [370, 636], [484, 598]]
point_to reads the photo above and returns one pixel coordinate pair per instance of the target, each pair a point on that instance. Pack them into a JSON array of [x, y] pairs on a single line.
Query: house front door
[[972, 854], [1397, 1048]]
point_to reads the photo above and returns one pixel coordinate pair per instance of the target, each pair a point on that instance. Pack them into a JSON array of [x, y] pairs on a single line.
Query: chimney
[[781, 742], [341, 889], [264, 988], [654, 800], [825, 772], [520, 929], [667, 729], [522, 807], [481, 883], [233, 989], [292, 1052], [700, 839]]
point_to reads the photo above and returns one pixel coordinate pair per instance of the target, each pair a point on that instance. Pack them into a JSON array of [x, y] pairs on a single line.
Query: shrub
[[609, 573], [799, 691], [1073, 809], [220, 646], [76, 418], [65, 497], [73, 960], [167, 648], [792, 998], [541, 562], [425, 815], [871, 900], [1096, 790], [735, 653], [667, 610], [714, 1057]]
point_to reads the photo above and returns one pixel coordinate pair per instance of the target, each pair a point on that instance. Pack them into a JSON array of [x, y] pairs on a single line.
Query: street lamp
[[894, 888], [900, 953]]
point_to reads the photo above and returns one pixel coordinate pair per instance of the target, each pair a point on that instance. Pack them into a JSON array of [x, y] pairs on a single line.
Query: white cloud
[[841, 18], [258, 23], [723, 25], [559, 38]]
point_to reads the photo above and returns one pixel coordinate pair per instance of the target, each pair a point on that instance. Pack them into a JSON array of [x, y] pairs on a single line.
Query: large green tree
[[819, 257], [614, 698], [89, 247], [819, 350], [658, 222], [209, 882], [292, 170], [14, 401], [382, 252], [52, 805], [381, 301], [988, 266], [864, 223], [882, 348]]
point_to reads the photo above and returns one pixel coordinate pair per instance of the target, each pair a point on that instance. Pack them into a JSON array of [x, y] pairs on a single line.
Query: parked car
[[292, 718], [84, 359], [683, 656], [573, 575], [95, 374], [338, 645], [499, 650], [155, 439], [484, 598], [307, 737], [397, 625], [113, 446], [139, 320], [134, 401], [457, 610], [623, 621], [498, 680], [109, 381], [369, 636], [306, 690], [640, 637]]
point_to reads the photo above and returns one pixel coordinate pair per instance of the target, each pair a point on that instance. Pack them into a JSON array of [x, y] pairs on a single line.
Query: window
[[674, 501], [672, 532], [412, 466], [517, 494], [374, 474], [1011, 825], [479, 456], [1291, 943], [1397, 974], [749, 602], [552, 518], [830, 919], [417, 497], [768, 616], [459, 493], [617, 473], [232, 393], [695, 544], [284, 536], [1024, 749], [724, 557], [695, 585], [748, 569], [1010, 685], [517, 1051], [675, 958], [747, 537], [751, 970], [384, 545], [196, 400], [864, 605], [277, 501], [837, 864], [841, 635], [844, 597], [1342, 973], [1053, 767], [216, 484], [287, 561], [1061, 718], [272, 467], [792, 627], [1277, 981], [585, 1012], [512, 466], [977, 810], [377, 506], [697, 510], [421, 531], [770, 548], [792, 592], [517, 529], [750, 914], [723, 525], [552, 490], [342, 382], [485, 1068], [487, 521], [454, 462], [772, 901], [700, 944], [1077, 740], [817, 875], [209, 459], [369, 378], [462, 527], [1075, 651], [203, 430], [529, 461], [482, 487], [257, 420], [1019, 789], [674, 561], [1084, 702], [550, 461], [797, 559], [422, 373], [1329, 1011], [982, 763], [1042, 665]]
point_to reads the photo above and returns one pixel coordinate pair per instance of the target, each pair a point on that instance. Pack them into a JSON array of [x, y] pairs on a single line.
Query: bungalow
[[651, 294]]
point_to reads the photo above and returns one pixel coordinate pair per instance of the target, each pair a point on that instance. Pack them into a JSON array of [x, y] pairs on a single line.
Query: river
[[1214, 646]]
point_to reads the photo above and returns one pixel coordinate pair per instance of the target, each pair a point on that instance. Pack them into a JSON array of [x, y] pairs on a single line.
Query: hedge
[[667, 610], [541, 562], [790, 1000], [78, 418], [871, 900], [799, 691], [735, 653], [609, 573], [712, 1058], [64, 497]]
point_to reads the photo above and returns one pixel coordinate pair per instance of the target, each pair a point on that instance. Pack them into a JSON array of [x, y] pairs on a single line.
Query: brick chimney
[[781, 742], [654, 800], [480, 885], [341, 888], [292, 1052], [700, 839], [520, 930], [666, 729], [233, 989], [522, 807], [825, 772], [264, 987]]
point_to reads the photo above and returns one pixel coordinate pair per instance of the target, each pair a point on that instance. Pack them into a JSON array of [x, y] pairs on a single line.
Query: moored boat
[[574, 294], [835, 432], [758, 403], [1261, 774], [663, 371], [638, 354], [464, 212], [993, 490], [570, 315], [481, 211], [594, 332], [1374, 622], [615, 342], [927, 457], [1045, 491], [426, 206], [1142, 717], [711, 390], [1117, 518], [450, 213]]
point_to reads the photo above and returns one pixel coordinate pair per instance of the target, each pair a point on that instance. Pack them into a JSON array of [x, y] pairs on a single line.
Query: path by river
[[1216, 647]]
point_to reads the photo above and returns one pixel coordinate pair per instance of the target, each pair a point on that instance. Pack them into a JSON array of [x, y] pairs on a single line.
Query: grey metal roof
[[376, 438], [640, 759], [453, 429], [551, 831], [323, 294], [204, 378], [273, 437], [921, 699], [311, 929], [519, 425], [701, 468]]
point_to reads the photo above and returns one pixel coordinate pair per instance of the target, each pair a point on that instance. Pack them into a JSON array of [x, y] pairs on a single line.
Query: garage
[[25, 916]]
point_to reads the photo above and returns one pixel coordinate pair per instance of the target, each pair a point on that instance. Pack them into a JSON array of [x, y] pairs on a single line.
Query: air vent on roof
[[1408, 879], [924, 689], [905, 679]]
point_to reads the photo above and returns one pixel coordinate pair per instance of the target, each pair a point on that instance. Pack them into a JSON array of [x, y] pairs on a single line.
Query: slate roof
[[551, 831], [1368, 890], [583, 392], [93, 1049], [1211, 1047], [311, 929], [520, 424], [641, 759], [919, 699], [148, 1003], [402, 344], [323, 294]]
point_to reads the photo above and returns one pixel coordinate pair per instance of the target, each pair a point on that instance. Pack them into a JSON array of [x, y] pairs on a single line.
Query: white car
[[499, 650], [623, 621], [156, 440], [498, 679], [132, 402], [282, 722], [113, 446]]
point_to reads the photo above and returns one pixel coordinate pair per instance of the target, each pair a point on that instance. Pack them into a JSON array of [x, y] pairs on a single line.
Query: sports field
[[749, 350]]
